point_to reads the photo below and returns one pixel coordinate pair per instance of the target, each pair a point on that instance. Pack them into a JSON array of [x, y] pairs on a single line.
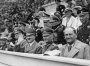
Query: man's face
[[70, 36], [68, 13], [30, 37], [75, 11], [84, 18], [47, 37]]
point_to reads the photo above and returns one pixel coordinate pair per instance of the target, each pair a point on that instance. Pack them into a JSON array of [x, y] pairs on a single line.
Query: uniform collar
[[32, 43]]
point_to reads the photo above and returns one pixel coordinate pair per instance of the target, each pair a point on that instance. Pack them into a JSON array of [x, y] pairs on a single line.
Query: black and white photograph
[[44, 32]]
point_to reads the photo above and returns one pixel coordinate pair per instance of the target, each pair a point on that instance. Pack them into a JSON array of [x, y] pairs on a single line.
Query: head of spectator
[[58, 14], [48, 35], [77, 10], [3, 42], [19, 34], [68, 12], [84, 16], [70, 35], [61, 9], [42, 9], [21, 26], [30, 35]]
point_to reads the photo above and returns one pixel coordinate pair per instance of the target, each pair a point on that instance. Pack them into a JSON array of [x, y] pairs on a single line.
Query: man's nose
[[68, 36]]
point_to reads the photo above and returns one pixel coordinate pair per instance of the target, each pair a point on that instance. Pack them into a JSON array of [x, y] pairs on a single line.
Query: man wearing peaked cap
[[48, 40], [77, 10], [30, 30], [32, 46], [84, 29], [48, 34], [47, 30]]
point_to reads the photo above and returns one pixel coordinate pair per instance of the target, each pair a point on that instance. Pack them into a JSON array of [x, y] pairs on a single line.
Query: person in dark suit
[[48, 40], [74, 48], [32, 46]]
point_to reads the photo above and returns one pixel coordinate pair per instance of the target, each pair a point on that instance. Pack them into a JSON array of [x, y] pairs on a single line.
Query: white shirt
[[41, 24], [73, 22], [70, 23], [78, 22], [31, 43]]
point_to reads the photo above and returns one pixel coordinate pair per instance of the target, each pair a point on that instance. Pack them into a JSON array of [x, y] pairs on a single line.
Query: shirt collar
[[31, 43], [72, 44]]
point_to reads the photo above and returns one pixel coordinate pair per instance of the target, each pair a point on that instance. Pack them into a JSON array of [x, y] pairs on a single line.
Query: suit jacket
[[79, 50], [34, 48], [49, 47]]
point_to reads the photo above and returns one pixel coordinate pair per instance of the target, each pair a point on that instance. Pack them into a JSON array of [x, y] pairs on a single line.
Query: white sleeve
[[64, 21]]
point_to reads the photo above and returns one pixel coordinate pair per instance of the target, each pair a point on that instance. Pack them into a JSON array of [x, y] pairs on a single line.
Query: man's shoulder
[[82, 43], [23, 43], [78, 42]]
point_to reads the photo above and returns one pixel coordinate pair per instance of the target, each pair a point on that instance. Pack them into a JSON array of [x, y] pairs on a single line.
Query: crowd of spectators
[[27, 28]]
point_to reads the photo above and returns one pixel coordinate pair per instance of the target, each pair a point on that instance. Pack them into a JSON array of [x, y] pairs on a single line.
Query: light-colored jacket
[[71, 23], [79, 50]]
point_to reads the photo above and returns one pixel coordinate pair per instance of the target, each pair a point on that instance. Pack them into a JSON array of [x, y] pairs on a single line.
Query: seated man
[[48, 40], [20, 41], [74, 48], [32, 46]]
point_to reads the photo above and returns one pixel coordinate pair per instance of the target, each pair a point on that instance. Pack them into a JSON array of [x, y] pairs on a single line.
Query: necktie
[[69, 48]]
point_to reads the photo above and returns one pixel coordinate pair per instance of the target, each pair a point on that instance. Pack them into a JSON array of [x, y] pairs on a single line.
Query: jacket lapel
[[33, 46], [75, 49]]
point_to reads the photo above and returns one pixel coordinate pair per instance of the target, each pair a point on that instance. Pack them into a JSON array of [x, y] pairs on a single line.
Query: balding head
[[70, 29]]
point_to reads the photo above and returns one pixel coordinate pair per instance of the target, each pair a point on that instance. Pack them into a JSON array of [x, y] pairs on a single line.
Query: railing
[[25, 59]]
